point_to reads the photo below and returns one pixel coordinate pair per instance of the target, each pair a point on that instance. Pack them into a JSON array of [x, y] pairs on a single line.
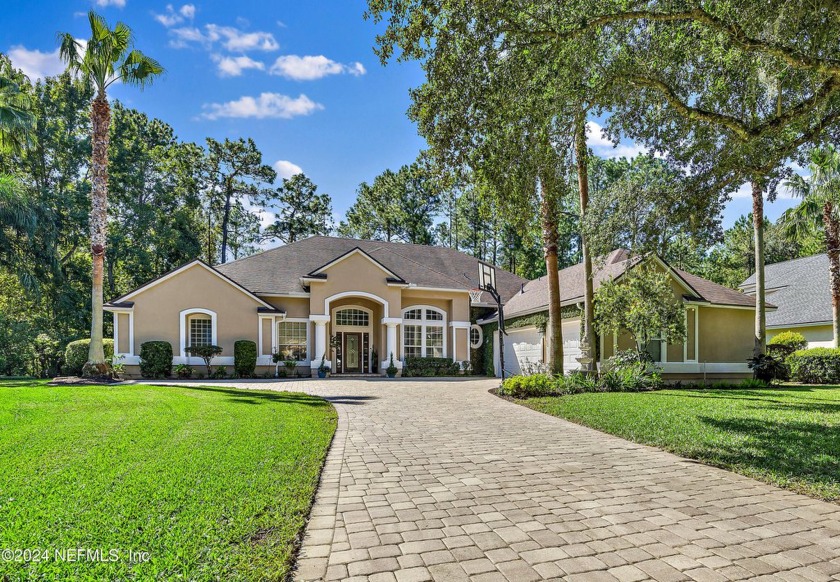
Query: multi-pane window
[[434, 341], [292, 339], [201, 330], [413, 341], [352, 317], [423, 333]]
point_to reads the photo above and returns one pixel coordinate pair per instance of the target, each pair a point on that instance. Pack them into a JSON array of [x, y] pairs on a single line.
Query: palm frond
[[69, 51], [139, 70]]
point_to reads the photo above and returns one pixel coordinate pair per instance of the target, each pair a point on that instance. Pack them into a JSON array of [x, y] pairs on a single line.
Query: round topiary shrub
[[156, 359], [785, 343], [245, 358], [76, 355]]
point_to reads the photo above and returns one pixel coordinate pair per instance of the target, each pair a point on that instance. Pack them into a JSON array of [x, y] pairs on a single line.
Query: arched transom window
[[424, 332]]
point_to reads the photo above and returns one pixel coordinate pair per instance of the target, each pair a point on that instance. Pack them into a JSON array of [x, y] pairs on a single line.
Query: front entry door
[[353, 352]]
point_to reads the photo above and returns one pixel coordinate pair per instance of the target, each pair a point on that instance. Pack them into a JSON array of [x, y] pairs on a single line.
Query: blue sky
[[300, 78]]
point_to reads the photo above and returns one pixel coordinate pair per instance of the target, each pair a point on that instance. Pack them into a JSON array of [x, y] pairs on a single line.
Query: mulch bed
[[78, 380]]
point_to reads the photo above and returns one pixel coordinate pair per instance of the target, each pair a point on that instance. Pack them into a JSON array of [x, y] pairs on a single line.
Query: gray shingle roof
[[279, 270], [799, 289], [534, 296]]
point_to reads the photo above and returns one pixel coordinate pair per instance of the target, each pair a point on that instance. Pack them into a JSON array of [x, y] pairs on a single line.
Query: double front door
[[354, 353]]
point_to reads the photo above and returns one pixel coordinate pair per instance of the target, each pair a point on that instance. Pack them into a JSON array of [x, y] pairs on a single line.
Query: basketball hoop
[[475, 295]]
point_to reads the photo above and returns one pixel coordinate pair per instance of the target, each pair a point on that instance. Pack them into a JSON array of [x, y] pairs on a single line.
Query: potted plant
[[323, 368], [291, 366], [391, 370]]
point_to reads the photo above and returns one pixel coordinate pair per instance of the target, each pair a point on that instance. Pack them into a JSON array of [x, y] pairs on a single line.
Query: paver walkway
[[439, 480]]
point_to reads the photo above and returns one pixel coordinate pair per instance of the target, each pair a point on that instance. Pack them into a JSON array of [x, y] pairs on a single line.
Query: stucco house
[[801, 292], [353, 302], [719, 323]]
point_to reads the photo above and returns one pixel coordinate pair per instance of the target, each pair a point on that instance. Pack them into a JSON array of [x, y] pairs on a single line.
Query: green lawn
[[788, 436], [214, 483]]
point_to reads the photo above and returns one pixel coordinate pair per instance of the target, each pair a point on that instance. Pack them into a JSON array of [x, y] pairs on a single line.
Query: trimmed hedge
[[245, 358], [76, 355], [815, 366], [416, 367], [156, 359]]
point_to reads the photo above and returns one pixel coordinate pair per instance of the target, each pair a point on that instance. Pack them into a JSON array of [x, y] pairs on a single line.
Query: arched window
[[424, 332], [476, 336], [198, 327]]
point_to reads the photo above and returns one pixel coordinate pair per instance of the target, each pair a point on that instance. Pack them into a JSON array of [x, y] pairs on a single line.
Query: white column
[[391, 324], [320, 322]]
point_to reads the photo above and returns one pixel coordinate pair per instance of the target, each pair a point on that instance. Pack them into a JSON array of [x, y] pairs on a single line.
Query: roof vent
[[522, 288]]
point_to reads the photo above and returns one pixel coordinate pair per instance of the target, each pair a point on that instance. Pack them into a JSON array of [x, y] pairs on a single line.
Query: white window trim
[[130, 351], [696, 335], [184, 330], [480, 336], [336, 326], [423, 323], [275, 337]]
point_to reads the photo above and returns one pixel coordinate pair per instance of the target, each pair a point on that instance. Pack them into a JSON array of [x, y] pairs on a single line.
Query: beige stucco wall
[[817, 336], [157, 309], [355, 273], [726, 335]]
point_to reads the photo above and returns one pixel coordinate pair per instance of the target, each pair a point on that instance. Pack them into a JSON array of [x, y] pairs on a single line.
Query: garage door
[[571, 345], [521, 346], [525, 345]]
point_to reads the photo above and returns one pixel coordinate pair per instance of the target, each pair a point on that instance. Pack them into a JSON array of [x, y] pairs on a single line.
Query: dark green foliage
[[219, 373], [156, 359], [633, 376], [206, 352], [767, 368], [76, 355], [815, 366], [416, 367], [183, 371], [244, 358]]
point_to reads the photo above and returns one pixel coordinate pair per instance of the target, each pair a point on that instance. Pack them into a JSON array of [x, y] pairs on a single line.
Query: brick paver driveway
[[439, 480]]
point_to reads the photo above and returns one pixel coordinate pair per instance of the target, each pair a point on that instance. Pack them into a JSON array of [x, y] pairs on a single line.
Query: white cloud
[[34, 63], [231, 38], [267, 105], [172, 17], [286, 169], [308, 68], [233, 66], [117, 3], [604, 147]]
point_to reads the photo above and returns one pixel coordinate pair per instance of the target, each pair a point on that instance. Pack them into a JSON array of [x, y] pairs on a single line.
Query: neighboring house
[[354, 302], [801, 292], [719, 324]]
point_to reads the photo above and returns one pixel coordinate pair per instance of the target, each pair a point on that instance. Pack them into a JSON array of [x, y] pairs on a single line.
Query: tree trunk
[[832, 245], [548, 215], [581, 157], [760, 310], [226, 224], [101, 119]]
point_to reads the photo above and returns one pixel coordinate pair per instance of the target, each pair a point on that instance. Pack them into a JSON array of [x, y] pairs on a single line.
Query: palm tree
[[108, 57], [820, 207], [17, 121]]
